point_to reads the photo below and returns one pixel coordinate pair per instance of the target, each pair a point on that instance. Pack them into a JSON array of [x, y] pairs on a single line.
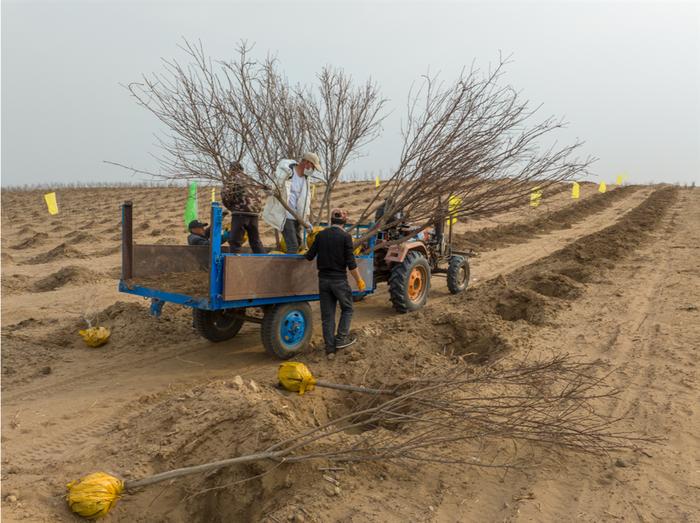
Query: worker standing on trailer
[[292, 180], [244, 202], [333, 248]]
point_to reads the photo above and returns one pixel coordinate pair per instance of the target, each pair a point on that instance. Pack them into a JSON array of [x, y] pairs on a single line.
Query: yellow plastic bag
[[311, 236], [296, 377], [94, 495], [95, 336]]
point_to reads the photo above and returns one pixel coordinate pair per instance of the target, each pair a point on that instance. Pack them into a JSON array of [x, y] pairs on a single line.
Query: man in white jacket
[[292, 180]]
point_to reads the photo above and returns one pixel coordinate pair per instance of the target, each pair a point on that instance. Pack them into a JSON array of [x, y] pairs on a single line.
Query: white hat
[[313, 159]]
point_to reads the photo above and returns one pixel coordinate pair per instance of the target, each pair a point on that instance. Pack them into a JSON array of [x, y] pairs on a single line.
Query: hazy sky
[[625, 75]]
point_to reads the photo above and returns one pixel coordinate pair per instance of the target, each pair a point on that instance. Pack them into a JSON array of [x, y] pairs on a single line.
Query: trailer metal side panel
[[267, 276]]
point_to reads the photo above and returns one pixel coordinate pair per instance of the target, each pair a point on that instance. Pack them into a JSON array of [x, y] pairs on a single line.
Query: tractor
[[407, 259]]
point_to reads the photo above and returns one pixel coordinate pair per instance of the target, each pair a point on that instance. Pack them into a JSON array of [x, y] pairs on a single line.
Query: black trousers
[[332, 293], [241, 224]]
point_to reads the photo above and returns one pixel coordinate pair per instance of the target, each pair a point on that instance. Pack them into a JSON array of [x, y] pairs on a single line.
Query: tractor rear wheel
[[218, 325], [457, 274], [286, 329], [409, 283]]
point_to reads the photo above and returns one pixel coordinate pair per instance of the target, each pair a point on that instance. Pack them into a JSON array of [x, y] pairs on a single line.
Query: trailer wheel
[[409, 283], [218, 325], [286, 329], [457, 274]]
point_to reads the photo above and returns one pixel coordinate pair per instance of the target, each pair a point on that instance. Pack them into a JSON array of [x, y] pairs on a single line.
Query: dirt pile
[[70, 275], [60, 252], [14, 283], [133, 326], [222, 419], [502, 235], [36, 239], [77, 237]]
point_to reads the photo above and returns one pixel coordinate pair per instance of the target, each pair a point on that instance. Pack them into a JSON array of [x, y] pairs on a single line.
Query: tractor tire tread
[[453, 284], [398, 280]]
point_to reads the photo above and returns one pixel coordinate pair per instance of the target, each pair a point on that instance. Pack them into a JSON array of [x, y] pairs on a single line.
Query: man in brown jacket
[[244, 203]]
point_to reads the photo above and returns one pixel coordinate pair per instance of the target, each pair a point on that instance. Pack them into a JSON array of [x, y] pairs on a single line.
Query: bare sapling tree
[[245, 110], [343, 118], [472, 141], [556, 403], [271, 117], [199, 141]]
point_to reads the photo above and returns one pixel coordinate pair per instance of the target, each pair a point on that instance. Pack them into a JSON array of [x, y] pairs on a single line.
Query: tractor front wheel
[[409, 283], [218, 325], [457, 274]]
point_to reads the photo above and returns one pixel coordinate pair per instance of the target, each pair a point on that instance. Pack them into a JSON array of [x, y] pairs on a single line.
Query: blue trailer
[[225, 290]]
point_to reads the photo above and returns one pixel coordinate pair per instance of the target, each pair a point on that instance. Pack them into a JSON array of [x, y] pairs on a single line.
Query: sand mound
[[26, 230], [36, 239], [476, 339], [555, 285], [133, 326], [61, 252], [171, 240], [223, 418], [64, 276], [502, 235], [80, 237], [7, 257], [521, 304], [15, 283]]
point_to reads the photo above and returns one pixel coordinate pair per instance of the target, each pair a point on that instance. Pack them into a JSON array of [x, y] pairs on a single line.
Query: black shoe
[[345, 342]]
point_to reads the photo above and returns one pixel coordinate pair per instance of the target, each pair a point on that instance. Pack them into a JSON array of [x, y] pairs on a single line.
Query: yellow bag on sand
[[94, 496], [296, 377], [95, 336]]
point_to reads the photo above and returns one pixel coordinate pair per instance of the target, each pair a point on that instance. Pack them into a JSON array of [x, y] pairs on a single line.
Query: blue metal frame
[[215, 300]]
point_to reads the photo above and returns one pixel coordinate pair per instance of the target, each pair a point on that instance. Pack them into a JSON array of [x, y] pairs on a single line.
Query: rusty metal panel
[[250, 277]]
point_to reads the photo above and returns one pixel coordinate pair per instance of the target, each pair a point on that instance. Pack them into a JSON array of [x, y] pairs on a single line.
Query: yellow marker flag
[[453, 205], [376, 182], [602, 187], [535, 197], [213, 194], [619, 179], [576, 191], [51, 203]]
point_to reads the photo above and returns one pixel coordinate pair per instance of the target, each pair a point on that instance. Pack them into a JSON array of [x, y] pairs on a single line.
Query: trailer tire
[[286, 329], [458, 274], [409, 283], [218, 325]]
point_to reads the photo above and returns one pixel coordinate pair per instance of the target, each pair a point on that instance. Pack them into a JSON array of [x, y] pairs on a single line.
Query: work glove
[[361, 285]]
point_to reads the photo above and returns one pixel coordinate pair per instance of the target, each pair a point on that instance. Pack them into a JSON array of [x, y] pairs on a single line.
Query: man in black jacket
[[333, 247]]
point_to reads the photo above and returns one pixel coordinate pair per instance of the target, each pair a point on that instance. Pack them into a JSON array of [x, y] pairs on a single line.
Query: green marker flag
[[191, 205]]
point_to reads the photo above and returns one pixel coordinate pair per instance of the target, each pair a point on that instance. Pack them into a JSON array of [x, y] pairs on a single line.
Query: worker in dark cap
[[334, 252], [199, 233]]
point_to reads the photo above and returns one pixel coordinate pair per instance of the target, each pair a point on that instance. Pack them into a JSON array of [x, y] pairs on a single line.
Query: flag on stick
[[576, 191], [602, 187], [191, 205], [51, 203]]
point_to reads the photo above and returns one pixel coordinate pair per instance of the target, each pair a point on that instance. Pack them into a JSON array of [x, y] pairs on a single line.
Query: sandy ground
[[157, 396]]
